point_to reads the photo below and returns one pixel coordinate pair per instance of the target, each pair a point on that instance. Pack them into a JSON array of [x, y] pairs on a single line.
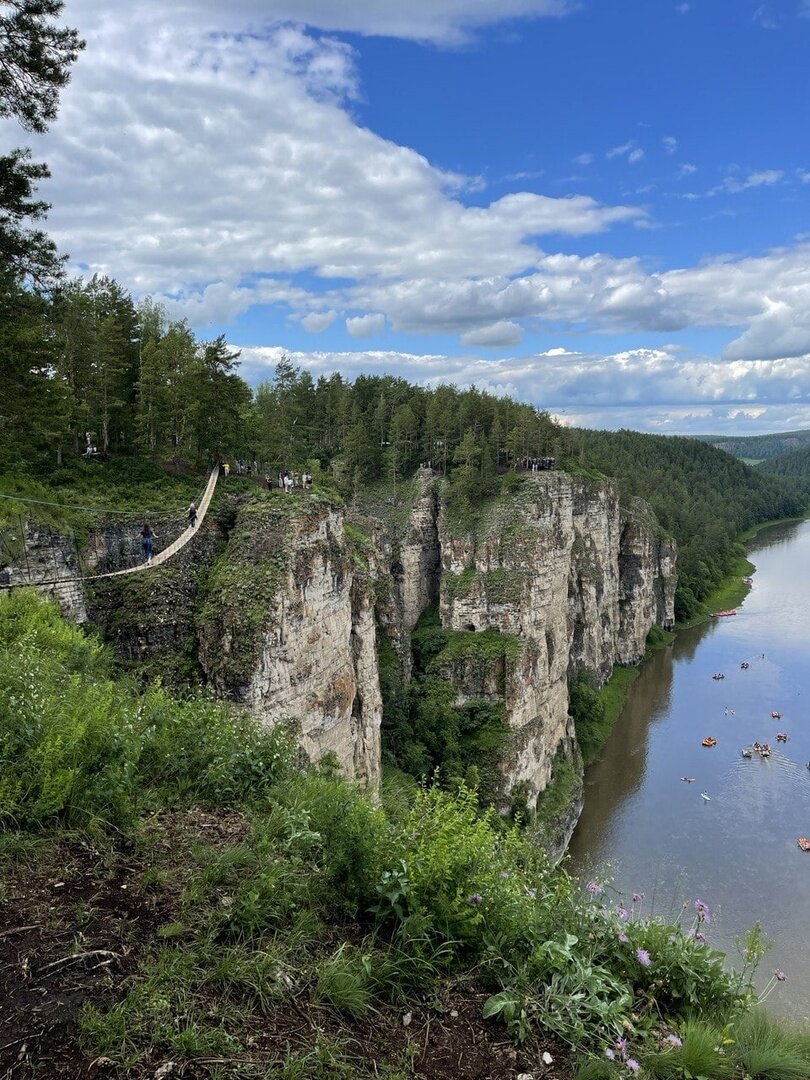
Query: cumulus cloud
[[503, 333], [584, 159], [217, 165], [197, 165], [364, 326], [687, 169], [317, 321], [670, 144]]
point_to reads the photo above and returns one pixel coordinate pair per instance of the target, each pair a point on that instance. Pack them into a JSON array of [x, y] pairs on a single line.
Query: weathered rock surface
[[577, 579], [277, 609], [288, 630]]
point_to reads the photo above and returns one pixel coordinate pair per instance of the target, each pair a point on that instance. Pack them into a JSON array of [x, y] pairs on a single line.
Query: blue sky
[[600, 208]]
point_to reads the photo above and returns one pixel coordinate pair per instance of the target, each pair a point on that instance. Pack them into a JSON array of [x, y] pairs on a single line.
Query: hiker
[[226, 470], [147, 542], [192, 515], [268, 479]]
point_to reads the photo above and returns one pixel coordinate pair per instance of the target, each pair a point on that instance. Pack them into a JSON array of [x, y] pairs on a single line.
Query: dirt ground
[[76, 920]]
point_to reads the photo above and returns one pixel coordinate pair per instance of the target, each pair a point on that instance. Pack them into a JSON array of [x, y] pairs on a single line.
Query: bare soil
[[76, 920]]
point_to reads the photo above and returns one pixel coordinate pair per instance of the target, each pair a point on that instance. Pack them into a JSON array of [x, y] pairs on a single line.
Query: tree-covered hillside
[[702, 496], [794, 467], [759, 447]]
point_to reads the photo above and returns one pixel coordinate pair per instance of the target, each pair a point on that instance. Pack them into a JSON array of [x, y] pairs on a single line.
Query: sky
[[600, 208]]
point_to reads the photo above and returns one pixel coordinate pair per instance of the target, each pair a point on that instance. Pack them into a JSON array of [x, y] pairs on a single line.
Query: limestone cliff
[[569, 579], [280, 603], [288, 630]]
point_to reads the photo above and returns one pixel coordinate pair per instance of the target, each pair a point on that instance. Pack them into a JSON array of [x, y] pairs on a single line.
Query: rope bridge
[[157, 560]]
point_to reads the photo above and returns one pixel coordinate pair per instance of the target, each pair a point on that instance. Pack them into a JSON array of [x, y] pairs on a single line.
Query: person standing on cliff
[[192, 515], [147, 542]]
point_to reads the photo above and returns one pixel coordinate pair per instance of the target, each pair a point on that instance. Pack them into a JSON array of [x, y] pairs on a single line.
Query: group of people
[[289, 481]]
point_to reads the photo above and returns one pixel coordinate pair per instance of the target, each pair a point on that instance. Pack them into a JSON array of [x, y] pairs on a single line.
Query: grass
[[308, 903]]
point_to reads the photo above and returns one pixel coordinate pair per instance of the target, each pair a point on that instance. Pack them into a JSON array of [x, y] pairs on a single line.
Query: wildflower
[[780, 976], [621, 1046], [632, 1064], [703, 913], [638, 897], [611, 1054], [475, 900], [623, 913], [673, 1040], [504, 873], [594, 888], [699, 937], [623, 938], [532, 895], [643, 957]]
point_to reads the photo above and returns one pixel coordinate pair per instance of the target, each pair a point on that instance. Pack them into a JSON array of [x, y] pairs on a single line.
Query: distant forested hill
[[701, 495], [794, 467], [759, 447]]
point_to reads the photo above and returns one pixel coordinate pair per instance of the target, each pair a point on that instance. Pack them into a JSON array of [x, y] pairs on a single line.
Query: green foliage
[[344, 980], [77, 745], [424, 729], [768, 1050], [703, 1055]]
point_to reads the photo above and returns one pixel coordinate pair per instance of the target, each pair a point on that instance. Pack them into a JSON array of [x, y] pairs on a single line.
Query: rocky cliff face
[[572, 580], [278, 604], [288, 630]]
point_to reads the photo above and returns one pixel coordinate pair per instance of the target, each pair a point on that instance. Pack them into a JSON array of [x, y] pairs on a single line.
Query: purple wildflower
[[643, 957], [504, 873], [594, 888], [610, 1053], [623, 938], [673, 1040], [475, 900], [780, 976], [623, 913], [703, 913], [638, 897], [621, 1046], [633, 1065]]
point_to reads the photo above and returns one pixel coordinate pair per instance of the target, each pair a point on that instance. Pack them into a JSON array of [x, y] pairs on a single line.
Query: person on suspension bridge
[[192, 515], [147, 542]]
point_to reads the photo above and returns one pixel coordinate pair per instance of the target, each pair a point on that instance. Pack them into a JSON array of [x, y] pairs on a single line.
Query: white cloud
[[318, 321], [363, 326], [503, 333], [687, 169], [683, 8], [209, 167], [635, 155], [804, 175], [763, 17], [584, 159], [620, 151], [670, 144], [734, 183]]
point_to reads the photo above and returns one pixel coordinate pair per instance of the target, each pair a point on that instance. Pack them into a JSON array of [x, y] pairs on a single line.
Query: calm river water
[[737, 852]]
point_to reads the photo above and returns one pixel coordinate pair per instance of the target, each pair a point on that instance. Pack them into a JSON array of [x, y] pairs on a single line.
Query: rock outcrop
[[288, 631]]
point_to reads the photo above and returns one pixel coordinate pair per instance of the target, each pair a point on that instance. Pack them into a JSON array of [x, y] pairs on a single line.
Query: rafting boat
[[723, 614], [747, 752], [709, 741], [804, 843]]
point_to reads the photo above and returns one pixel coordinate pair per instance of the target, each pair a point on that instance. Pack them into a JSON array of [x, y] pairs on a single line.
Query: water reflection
[[739, 849]]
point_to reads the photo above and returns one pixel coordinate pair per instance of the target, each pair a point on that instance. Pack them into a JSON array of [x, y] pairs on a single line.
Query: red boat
[[720, 614]]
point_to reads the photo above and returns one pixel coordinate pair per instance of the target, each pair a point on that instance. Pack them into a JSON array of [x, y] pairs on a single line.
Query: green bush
[[78, 745]]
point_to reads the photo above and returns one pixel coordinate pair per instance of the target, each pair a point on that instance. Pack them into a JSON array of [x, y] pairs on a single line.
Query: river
[[738, 851]]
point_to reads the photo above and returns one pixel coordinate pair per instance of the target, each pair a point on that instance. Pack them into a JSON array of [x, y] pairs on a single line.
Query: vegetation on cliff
[[278, 922]]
